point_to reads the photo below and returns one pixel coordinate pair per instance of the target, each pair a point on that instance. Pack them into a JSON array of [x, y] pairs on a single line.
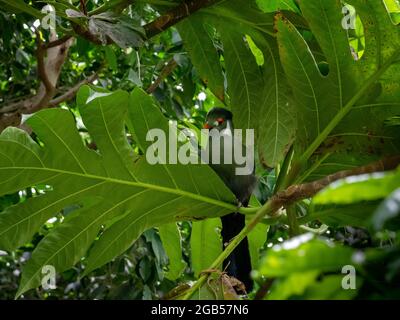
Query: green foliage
[[389, 209], [298, 262], [332, 96], [92, 177], [276, 5], [300, 255], [257, 239], [205, 243], [359, 188], [203, 54], [76, 192], [171, 239]]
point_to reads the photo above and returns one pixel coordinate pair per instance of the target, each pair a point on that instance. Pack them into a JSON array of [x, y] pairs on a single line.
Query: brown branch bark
[[57, 42], [175, 15], [48, 73], [83, 7], [41, 67], [70, 94], [165, 72]]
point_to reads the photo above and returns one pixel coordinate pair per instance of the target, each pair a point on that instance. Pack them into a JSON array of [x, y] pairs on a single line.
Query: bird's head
[[218, 118]]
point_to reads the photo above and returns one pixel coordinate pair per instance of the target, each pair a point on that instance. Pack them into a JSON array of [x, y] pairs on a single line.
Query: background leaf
[[171, 239], [302, 254], [203, 54], [205, 243]]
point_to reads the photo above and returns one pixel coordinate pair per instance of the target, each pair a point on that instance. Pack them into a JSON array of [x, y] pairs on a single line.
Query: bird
[[220, 120]]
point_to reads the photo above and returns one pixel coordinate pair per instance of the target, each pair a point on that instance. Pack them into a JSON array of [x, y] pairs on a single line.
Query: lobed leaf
[[134, 195]]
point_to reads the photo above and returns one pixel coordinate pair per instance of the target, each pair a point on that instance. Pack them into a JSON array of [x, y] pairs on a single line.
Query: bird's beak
[[207, 126]]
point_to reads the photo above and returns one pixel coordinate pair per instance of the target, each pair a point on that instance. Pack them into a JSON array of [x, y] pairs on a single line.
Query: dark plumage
[[238, 263]]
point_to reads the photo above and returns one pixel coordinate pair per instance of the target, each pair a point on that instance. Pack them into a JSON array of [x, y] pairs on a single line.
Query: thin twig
[[70, 94], [57, 42], [165, 72], [175, 15], [83, 7], [40, 53]]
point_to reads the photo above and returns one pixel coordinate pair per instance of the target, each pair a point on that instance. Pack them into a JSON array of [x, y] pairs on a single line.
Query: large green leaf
[[240, 15], [65, 245], [293, 285], [143, 195], [318, 97], [335, 107], [330, 288], [359, 188], [354, 214], [353, 200], [275, 120], [259, 97], [244, 79], [304, 254], [298, 262], [203, 54]]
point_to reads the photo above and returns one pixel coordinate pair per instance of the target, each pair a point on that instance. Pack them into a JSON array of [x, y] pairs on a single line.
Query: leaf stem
[[284, 170], [294, 228]]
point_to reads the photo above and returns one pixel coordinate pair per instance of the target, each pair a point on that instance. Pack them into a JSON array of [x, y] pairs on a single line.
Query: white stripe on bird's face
[[229, 129]]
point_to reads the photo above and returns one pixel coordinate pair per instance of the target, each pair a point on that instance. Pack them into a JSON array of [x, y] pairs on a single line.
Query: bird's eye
[[220, 120]]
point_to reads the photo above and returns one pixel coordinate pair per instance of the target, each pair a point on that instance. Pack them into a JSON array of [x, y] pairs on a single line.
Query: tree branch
[[70, 94], [57, 42], [165, 72], [175, 15], [40, 53], [83, 7]]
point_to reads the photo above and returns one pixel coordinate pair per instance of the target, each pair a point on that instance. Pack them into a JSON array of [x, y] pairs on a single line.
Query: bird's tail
[[238, 263]]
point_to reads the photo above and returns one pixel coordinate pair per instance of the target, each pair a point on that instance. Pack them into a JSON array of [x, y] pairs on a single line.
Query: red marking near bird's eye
[[220, 120]]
